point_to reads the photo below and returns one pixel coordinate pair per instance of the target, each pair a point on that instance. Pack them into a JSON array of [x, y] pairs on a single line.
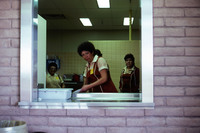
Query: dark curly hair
[[86, 46], [98, 52], [130, 56], [52, 64]]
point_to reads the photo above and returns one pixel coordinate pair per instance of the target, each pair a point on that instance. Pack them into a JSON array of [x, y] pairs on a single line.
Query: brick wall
[[176, 79]]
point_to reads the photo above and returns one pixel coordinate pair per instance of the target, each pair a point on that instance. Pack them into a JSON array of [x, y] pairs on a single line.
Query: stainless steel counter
[[107, 97]]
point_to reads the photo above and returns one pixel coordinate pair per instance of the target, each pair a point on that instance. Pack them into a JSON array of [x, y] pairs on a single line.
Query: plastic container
[[55, 93], [12, 126]]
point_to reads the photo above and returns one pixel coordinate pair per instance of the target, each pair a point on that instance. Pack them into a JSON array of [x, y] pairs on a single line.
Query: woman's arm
[[84, 81], [62, 85], [103, 79]]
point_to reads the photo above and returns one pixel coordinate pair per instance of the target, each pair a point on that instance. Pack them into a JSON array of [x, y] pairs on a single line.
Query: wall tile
[[5, 4], [10, 71], [5, 81], [67, 121], [192, 111], [46, 112], [158, 61], [182, 21], [158, 3], [47, 129], [159, 80], [9, 90], [4, 43], [160, 101], [193, 130], [182, 61], [186, 41], [14, 100], [168, 12], [86, 130], [193, 32], [90, 112], [169, 71], [106, 121], [163, 51], [124, 112], [169, 91], [126, 130], [168, 32], [13, 111], [192, 51], [15, 4], [9, 52], [166, 129], [165, 111], [183, 81], [183, 101], [184, 121], [8, 14], [192, 70], [182, 3], [195, 91], [192, 12], [32, 120], [5, 33], [146, 121], [5, 62], [5, 24], [4, 100], [158, 22]]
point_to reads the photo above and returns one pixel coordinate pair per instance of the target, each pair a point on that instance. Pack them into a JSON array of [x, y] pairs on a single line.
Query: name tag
[[91, 71]]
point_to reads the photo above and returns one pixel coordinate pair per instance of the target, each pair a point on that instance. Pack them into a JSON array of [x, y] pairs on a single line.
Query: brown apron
[[106, 87], [129, 83]]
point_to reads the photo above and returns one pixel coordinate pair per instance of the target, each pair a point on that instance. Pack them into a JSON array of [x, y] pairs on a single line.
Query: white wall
[[42, 50]]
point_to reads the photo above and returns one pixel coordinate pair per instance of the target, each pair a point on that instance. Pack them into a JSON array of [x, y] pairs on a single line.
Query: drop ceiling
[[65, 14]]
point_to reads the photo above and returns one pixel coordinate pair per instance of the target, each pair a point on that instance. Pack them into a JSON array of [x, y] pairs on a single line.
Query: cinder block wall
[[176, 79]]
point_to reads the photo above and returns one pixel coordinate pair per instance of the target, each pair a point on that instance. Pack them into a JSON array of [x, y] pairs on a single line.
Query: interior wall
[[42, 29], [68, 41], [113, 50]]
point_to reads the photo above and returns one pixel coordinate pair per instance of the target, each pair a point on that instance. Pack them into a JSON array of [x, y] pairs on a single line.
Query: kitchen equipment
[[12, 126], [55, 94], [68, 77], [76, 78]]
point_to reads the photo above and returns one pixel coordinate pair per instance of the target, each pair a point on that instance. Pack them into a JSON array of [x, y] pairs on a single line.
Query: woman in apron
[[129, 79], [96, 74]]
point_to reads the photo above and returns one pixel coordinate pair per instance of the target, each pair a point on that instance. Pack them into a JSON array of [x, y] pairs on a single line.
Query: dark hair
[[130, 56], [86, 46], [52, 64], [98, 52]]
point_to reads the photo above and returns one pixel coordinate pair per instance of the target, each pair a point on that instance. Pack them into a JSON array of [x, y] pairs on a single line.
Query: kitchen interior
[[64, 32]]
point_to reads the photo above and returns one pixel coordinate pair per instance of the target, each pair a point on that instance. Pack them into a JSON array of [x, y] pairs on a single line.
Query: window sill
[[92, 100]]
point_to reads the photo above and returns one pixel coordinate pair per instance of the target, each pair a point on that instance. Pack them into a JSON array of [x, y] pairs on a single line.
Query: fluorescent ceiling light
[[86, 21], [103, 3], [126, 21]]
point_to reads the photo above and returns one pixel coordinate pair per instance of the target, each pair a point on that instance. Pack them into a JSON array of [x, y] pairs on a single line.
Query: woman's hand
[[84, 88], [103, 79]]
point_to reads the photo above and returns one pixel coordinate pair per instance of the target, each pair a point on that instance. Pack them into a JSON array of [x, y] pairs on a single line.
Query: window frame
[[27, 87]]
